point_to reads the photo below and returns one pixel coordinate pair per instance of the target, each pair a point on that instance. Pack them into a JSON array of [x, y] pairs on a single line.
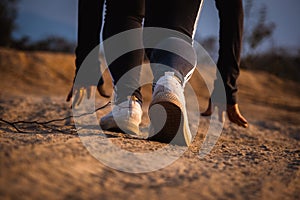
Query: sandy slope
[[50, 162]]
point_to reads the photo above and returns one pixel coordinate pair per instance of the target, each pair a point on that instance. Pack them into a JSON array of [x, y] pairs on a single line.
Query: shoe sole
[[174, 130], [122, 127]]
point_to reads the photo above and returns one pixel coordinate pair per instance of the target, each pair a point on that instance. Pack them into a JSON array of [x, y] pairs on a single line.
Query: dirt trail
[[50, 161]]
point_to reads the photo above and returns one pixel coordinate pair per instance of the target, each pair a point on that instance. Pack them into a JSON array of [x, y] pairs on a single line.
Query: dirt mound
[[39, 73]]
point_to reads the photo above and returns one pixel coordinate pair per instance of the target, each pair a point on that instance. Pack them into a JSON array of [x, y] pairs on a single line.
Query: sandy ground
[[50, 161]]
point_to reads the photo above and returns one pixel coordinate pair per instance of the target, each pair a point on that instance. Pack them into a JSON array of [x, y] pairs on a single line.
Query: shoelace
[[131, 99]]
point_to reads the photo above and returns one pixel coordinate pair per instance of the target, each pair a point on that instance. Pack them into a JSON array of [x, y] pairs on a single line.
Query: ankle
[[119, 100]]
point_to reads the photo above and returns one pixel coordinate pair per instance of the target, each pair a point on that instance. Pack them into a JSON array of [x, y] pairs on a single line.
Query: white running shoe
[[167, 112], [125, 117]]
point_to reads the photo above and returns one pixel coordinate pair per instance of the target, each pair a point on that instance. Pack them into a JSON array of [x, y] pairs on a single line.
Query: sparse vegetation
[[275, 61], [50, 43], [8, 14]]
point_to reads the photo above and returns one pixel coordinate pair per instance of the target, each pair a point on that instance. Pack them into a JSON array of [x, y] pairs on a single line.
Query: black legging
[[231, 16], [88, 33], [178, 15]]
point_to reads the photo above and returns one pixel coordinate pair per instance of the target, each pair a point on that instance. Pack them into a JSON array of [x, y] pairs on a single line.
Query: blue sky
[[41, 18]]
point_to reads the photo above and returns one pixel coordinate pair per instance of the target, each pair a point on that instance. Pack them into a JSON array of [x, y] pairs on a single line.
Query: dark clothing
[[121, 16], [88, 34], [231, 17], [179, 15]]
